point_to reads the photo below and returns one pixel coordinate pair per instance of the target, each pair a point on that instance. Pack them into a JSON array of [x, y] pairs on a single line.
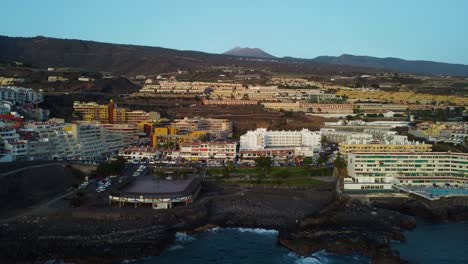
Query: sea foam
[[259, 231], [182, 237]]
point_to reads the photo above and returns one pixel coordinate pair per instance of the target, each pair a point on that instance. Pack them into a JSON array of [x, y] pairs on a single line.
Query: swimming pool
[[435, 192]]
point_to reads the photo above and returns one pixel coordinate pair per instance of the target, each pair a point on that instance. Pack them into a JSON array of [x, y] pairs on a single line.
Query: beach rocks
[[349, 226]]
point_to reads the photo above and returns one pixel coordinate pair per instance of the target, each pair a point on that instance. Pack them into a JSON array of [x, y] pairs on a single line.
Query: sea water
[[435, 243], [428, 243], [240, 245]]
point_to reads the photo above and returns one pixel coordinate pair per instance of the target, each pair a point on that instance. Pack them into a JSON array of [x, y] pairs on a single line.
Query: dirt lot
[[26, 188]]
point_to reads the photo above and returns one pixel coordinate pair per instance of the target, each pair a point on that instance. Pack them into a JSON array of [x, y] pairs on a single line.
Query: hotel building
[[302, 143], [377, 171]]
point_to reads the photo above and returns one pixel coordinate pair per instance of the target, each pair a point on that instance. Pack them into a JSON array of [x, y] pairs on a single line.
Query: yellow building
[[346, 148], [92, 111], [170, 137], [401, 97]]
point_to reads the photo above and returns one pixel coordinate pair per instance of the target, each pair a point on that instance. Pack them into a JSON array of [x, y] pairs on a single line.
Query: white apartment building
[[145, 153], [114, 142], [12, 148], [91, 138], [337, 136], [52, 136], [304, 142], [19, 95], [18, 149], [376, 171]]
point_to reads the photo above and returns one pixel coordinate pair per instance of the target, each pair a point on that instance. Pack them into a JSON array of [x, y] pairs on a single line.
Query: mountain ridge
[[125, 59], [397, 64], [249, 52]]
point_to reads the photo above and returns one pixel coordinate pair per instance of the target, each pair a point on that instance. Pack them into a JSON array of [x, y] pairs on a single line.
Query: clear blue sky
[[411, 29]]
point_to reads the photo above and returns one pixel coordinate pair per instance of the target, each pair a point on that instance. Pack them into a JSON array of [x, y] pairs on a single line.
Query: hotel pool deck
[[435, 192]]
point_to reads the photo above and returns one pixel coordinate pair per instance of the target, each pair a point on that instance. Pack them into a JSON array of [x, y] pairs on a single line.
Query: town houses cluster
[[365, 133]]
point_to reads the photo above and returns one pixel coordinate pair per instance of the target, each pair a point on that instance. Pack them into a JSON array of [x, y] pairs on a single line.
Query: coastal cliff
[[308, 220]]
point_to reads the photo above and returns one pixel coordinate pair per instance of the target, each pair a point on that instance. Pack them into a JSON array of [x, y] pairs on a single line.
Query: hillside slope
[[395, 64], [122, 59]]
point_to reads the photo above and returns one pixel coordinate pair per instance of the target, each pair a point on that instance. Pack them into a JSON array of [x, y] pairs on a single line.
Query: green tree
[[322, 159], [264, 165], [324, 140], [111, 168], [308, 161], [227, 169]]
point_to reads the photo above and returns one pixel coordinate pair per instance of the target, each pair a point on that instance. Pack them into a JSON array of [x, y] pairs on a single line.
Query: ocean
[[429, 243], [239, 245], [435, 243]]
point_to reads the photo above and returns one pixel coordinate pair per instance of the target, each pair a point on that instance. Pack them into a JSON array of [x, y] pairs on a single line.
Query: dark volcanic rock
[[349, 226]]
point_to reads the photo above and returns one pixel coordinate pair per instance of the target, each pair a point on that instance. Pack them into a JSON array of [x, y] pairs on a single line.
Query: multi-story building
[[20, 95], [379, 106], [377, 146], [228, 102], [170, 137], [304, 142], [208, 150], [91, 138], [92, 111], [381, 170], [219, 128], [51, 135], [312, 108], [111, 114], [18, 149], [337, 136], [144, 153], [12, 147], [129, 132]]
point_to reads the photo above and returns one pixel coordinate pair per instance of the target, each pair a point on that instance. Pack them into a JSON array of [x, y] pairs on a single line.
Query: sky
[[410, 29]]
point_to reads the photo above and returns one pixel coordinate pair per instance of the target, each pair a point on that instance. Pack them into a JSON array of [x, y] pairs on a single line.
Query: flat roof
[[149, 187], [148, 184]]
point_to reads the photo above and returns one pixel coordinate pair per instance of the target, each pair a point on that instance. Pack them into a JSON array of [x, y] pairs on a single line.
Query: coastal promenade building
[[380, 171], [301, 143], [221, 151], [139, 153]]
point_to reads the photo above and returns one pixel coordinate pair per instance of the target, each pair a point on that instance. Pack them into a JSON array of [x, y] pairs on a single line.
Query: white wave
[[175, 247], [260, 231], [182, 237], [316, 258], [214, 229]]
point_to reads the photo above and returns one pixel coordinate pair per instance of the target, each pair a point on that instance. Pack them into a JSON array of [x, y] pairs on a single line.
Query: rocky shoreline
[[308, 220]]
